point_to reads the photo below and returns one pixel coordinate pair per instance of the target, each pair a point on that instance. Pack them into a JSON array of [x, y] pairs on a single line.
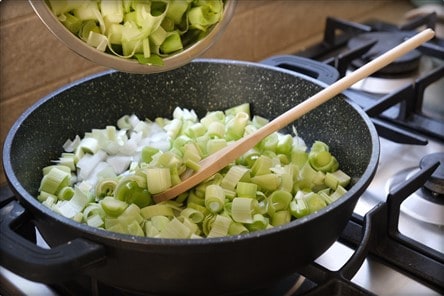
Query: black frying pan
[[166, 266]]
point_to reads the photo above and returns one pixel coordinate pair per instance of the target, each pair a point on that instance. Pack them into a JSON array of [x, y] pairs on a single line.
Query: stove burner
[[436, 182], [385, 41], [427, 203]]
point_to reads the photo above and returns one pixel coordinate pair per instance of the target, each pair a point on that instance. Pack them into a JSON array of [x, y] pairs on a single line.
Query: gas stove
[[394, 242]]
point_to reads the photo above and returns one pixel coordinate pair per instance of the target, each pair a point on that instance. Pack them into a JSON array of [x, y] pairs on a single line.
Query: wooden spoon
[[217, 161]]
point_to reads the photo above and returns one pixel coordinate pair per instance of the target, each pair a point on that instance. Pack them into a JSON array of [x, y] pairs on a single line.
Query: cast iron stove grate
[[347, 45]]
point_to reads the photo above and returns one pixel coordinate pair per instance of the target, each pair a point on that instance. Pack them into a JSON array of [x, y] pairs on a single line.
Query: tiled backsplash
[[34, 63]]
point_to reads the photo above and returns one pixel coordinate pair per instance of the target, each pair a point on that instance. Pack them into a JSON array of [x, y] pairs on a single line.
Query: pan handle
[[39, 264], [312, 68]]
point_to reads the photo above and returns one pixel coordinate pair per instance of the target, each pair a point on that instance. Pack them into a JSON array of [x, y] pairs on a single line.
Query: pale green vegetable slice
[[214, 198], [158, 179], [220, 226], [242, 209], [54, 180]]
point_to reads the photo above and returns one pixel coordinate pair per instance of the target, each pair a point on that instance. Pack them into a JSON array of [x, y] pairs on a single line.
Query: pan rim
[[109, 236]]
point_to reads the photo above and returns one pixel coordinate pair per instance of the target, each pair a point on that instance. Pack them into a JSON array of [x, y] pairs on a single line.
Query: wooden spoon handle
[[339, 86], [222, 158]]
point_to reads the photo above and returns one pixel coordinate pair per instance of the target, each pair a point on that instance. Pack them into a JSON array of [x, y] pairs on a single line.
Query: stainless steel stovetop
[[374, 275]]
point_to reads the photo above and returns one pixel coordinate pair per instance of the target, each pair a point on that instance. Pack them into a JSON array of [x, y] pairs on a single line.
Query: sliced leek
[[145, 30], [106, 178]]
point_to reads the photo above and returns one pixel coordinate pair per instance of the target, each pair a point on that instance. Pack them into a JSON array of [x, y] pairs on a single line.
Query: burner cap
[[436, 181], [386, 41]]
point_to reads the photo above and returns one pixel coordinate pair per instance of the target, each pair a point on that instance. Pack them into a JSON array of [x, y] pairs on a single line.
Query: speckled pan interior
[[202, 85]]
